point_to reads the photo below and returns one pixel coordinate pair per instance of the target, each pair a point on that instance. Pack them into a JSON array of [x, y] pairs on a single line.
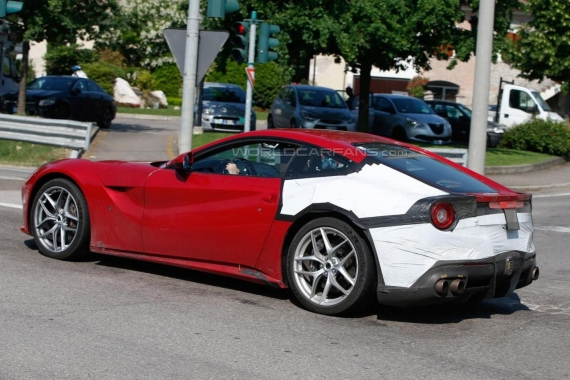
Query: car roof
[[217, 84], [440, 101], [309, 87], [61, 77]]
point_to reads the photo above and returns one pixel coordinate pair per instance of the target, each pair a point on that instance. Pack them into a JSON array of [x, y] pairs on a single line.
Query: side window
[[384, 105], [283, 93], [291, 97], [453, 113], [315, 162], [81, 85], [92, 87], [7, 68], [522, 101], [260, 159]]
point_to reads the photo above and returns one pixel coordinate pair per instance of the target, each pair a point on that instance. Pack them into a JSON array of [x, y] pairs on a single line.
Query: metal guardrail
[[458, 156], [68, 134]]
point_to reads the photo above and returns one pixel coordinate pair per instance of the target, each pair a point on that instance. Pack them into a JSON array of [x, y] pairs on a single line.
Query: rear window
[[425, 168]]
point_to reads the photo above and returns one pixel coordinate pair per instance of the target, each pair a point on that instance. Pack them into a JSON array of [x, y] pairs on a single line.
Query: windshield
[[51, 84], [466, 110], [541, 101], [411, 105], [424, 168], [320, 98], [224, 94]]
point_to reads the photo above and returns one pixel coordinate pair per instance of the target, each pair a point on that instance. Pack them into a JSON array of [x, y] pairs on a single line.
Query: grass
[[19, 153], [207, 137], [170, 111]]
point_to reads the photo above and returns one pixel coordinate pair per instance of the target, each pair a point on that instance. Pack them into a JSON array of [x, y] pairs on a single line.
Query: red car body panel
[[214, 223]]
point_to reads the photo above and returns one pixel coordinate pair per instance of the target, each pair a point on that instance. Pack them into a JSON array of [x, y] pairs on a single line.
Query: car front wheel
[[106, 118], [330, 267], [60, 220]]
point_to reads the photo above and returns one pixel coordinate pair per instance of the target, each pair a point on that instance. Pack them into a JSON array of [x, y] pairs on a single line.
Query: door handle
[[269, 198]]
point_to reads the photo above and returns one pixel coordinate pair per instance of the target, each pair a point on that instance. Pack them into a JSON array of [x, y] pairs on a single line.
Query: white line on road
[[11, 205], [13, 178], [564, 230], [551, 195]]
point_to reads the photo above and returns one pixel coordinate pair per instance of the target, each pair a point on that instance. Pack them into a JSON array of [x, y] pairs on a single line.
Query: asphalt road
[[111, 318]]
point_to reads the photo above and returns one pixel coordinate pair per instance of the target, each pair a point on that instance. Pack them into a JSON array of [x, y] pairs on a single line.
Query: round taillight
[[442, 215]]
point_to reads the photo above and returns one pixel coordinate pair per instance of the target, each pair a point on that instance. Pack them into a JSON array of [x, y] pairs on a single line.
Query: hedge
[[543, 136], [104, 74]]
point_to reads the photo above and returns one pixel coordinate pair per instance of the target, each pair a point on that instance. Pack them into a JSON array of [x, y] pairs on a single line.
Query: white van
[[519, 104]]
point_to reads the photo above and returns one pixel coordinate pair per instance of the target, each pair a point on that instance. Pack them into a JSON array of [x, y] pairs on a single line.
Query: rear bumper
[[495, 277]]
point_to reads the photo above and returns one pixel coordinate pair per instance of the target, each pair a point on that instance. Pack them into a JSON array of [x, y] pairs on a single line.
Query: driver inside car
[[232, 168]]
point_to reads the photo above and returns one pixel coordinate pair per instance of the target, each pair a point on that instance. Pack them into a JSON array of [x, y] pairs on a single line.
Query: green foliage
[[269, 78], [60, 59], [30, 73], [104, 74], [167, 78], [542, 47], [111, 56], [416, 87], [543, 136], [174, 101]]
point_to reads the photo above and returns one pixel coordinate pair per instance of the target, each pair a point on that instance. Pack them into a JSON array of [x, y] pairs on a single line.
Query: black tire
[[106, 119], [293, 124], [310, 272], [60, 206], [270, 124], [400, 134]]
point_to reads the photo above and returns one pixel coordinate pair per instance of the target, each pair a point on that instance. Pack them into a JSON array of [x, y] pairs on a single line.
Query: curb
[[517, 169], [537, 188], [145, 117]]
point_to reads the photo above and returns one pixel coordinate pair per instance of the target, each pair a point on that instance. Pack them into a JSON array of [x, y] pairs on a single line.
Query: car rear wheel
[[60, 221], [330, 267], [106, 118], [270, 124]]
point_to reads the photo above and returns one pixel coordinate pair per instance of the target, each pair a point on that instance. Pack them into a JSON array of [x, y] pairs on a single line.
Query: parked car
[[405, 118], [66, 97], [459, 116], [312, 107], [336, 216], [223, 108]]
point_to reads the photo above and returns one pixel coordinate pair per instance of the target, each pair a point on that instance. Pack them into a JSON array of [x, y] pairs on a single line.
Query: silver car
[[405, 118], [223, 108], [302, 106]]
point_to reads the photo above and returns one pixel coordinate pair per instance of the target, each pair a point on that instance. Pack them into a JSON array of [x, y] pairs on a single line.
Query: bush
[[104, 74], [543, 136], [269, 78], [167, 78], [174, 101], [60, 59]]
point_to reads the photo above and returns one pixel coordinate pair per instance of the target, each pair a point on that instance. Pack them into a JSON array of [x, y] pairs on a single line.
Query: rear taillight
[[506, 204], [442, 215]]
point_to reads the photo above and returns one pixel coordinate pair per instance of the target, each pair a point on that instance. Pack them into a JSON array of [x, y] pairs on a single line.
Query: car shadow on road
[[134, 128], [190, 275]]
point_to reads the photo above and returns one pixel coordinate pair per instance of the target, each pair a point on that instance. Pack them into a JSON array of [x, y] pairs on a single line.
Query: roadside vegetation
[[19, 153]]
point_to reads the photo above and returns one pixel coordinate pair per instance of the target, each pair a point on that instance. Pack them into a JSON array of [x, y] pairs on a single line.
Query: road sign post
[[250, 70]]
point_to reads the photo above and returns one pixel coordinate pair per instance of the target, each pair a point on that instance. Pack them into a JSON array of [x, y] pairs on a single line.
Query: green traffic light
[[220, 8]]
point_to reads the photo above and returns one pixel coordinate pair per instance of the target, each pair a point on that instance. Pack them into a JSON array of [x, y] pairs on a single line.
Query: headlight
[[47, 102], [307, 116], [413, 123], [208, 111], [496, 130]]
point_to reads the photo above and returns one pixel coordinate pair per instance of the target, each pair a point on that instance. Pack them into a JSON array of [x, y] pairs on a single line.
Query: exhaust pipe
[[442, 287], [535, 273], [457, 286]]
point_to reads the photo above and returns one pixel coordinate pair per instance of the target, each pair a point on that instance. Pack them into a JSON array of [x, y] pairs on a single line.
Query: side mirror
[[535, 110], [184, 162]]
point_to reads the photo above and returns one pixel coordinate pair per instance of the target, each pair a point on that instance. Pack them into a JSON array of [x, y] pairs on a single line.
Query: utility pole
[[484, 51], [189, 86], [251, 65]]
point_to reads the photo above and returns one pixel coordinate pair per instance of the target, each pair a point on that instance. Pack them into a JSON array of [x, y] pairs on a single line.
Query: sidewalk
[[551, 179]]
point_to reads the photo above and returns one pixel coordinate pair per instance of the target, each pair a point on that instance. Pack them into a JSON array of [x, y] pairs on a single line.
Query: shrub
[[167, 78], [174, 101], [416, 87], [543, 136], [60, 59], [104, 74], [112, 56]]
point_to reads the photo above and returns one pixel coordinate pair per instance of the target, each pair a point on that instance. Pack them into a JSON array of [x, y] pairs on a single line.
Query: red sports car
[[336, 216]]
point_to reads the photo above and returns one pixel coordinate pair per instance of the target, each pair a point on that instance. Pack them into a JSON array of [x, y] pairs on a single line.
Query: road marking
[[12, 178], [11, 205], [551, 195], [564, 230], [169, 147]]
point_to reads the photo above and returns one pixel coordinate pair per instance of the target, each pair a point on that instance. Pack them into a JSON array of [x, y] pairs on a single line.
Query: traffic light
[[220, 8], [267, 42], [240, 41], [9, 7]]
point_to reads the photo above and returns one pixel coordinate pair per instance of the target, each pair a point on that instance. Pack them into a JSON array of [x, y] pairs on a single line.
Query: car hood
[[425, 118], [225, 108], [34, 95], [328, 113]]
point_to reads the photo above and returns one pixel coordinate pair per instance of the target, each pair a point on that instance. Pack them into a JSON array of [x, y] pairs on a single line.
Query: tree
[[137, 31], [541, 48], [58, 22]]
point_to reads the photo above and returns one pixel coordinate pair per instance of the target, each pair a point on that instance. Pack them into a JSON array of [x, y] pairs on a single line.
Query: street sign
[[250, 71], [211, 42]]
